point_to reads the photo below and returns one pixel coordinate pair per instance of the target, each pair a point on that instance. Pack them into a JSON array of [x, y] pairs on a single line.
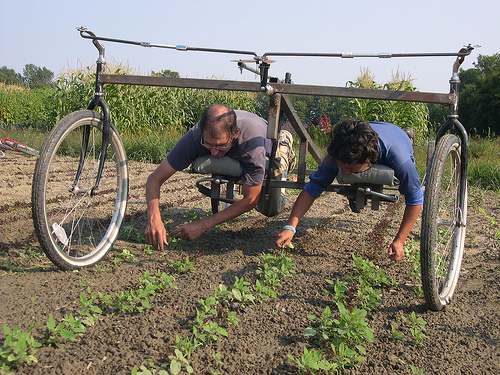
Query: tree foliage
[[10, 77], [37, 77], [33, 76], [479, 107], [165, 73]]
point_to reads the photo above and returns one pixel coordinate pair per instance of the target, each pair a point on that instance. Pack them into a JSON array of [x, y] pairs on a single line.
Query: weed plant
[[215, 313], [342, 330], [19, 348]]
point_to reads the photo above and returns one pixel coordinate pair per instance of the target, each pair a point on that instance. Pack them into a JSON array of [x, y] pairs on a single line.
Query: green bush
[[484, 163]]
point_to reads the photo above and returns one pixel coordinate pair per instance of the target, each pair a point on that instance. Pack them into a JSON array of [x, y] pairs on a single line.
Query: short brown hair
[[225, 121]]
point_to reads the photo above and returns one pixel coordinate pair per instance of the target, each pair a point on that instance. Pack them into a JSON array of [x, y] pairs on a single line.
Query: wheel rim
[[83, 225], [450, 229]]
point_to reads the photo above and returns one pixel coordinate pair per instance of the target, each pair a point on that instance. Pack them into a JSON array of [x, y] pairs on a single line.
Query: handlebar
[[85, 33]]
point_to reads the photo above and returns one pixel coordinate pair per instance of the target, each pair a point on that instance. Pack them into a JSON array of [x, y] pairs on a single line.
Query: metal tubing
[[282, 88]]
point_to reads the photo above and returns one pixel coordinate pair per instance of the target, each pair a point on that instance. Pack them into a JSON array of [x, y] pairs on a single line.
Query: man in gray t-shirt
[[220, 132], [250, 147]]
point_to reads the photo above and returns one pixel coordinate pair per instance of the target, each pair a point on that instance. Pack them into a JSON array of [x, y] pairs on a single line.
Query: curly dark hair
[[354, 142]]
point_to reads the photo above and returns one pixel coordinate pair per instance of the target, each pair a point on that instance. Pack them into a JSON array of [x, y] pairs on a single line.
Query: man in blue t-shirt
[[221, 131], [356, 146]]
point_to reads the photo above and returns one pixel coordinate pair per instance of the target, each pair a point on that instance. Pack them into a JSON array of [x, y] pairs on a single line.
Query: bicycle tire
[[77, 227], [443, 224]]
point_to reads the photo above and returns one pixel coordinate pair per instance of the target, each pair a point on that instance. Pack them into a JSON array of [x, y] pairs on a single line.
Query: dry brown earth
[[463, 339]]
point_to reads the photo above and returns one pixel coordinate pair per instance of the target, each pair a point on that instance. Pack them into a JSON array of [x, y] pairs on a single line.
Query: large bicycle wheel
[[76, 224], [443, 224]]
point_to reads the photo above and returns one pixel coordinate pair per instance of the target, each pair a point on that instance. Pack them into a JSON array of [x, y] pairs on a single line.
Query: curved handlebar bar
[[85, 33]]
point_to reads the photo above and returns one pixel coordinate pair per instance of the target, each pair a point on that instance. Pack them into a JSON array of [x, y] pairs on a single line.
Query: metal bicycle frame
[[280, 102]]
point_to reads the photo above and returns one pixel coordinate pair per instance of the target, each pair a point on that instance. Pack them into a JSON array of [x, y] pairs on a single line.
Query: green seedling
[[30, 253], [417, 328], [186, 345], [218, 358], [143, 370], [208, 331], [134, 234], [148, 250], [125, 256], [396, 335], [89, 310], [131, 300], [264, 292], [347, 328], [354, 292], [56, 333], [181, 267], [196, 215], [312, 361], [371, 273], [18, 348], [416, 371], [177, 361], [275, 268], [242, 293]]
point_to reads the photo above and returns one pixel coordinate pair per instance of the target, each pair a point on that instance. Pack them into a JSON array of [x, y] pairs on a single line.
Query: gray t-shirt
[[250, 150]]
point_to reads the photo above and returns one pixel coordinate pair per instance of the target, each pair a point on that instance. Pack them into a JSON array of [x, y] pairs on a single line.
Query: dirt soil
[[463, 339]]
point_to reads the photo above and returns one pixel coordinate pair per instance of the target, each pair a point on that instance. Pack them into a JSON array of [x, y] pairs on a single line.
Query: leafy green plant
[[131, 300], [370, 272], [134, 234], [89, 309], [263, 292], [65, 330], [355, 291], [18, 348], [417, 328], [177, 361], [150, 369], [148, 250], [416, 371], [396, 335], [345, 327], [126, 255], [274, 268], [178, 266], [186, 345], [413, 256], [312, 361], [242, 293]]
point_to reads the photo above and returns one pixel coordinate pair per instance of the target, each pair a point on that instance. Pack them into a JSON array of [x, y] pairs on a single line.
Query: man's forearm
[[152, 198], [301, 206], [410, 217]]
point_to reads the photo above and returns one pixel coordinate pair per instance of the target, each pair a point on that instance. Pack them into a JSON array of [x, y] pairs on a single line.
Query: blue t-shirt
[[250, 149], [395, 152]]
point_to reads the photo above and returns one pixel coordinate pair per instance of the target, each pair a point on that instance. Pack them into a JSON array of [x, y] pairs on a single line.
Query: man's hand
[[284, 238], [155, 234], [396, 251], [189, 231]]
